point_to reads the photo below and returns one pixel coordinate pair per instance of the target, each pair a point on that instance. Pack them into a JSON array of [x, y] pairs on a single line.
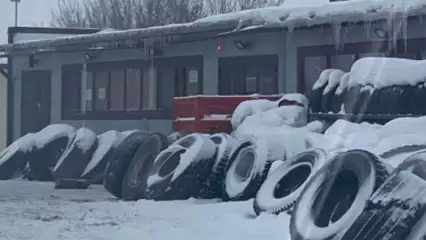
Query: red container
[[208, 114]]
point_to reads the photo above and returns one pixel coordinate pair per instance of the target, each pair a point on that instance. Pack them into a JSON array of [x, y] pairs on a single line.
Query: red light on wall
[[218, 48]]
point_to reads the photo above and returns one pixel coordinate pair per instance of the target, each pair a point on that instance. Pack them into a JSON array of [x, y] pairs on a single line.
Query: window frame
[[69, 114]]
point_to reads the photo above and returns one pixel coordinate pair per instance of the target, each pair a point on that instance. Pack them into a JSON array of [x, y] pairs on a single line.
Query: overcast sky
[[31, 13]]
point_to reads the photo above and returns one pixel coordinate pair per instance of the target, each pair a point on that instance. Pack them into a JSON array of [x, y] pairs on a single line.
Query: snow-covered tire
[[393, 210], [364, 100], [327, 100], [173, 137], [77, 155], [213, 178], [283, 186], [71, 184], [350, 178], [337, 102], [107, 144], [117, 167], [50, 144], [174, 172], [248, 169], [315, 99], [416, 164], [351, 98], [134, 183], [14, 158], [403, 150]]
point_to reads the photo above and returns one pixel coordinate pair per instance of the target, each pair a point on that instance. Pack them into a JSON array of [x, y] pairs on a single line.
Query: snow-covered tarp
[[286, 16]]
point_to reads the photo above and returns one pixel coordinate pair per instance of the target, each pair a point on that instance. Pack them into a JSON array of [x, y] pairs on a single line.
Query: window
[[371, 54], [313, 66], [133, 89], [342, 62], [127, 90], [117, 90], [248, 75]]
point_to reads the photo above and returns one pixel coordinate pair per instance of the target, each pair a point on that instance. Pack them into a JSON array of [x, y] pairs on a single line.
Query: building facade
[[132, 87]]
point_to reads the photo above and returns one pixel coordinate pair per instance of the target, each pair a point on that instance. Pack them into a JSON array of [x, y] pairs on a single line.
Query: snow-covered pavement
[[32, 210]]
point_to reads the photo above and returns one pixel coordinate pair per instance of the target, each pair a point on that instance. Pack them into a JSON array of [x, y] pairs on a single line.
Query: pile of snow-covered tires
[[392, 90], [59, 151]]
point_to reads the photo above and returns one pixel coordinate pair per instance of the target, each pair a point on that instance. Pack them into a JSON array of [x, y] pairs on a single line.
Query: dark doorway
[[35, 101], [248, 75]]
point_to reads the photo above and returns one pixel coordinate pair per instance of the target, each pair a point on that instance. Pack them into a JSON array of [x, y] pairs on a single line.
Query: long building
[[127, 79]]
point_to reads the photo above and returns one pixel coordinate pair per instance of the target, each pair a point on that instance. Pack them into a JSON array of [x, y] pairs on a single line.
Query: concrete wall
[[3, 111], [269, 43]]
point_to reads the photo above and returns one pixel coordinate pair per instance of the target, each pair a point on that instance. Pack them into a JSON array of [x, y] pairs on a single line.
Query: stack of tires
[[352, 195], [333, 93], [196, 165], [58, 152]]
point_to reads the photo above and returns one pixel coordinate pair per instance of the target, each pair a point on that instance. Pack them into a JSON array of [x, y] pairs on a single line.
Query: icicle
[[390, 28], [368, 28], [404, 26], [337, 35]]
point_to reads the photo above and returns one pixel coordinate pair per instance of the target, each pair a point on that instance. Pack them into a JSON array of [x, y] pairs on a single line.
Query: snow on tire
[[395, 211], [336, 195], [248, 168], [75, 158], [416, 164], [175, 170], [216, 174], [14, 158], [120, 161], [135, 180], [50, 144], [107, 144], [282, 187]]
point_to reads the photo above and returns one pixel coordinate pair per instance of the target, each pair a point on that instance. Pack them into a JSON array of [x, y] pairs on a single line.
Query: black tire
[[283, 186], [351, 98], [51, 143], [71, 184], [402, 150], [388, 100], [248, 169], [363, 100], [215, 177], [415, 164], [120, 161], [374, 102], [173, 175], [173, 137], [348, 180], [315, 99], [107, 144], [135, 180], [415, 100], [327, 100], [14, 158], [393, 210], [75, 158]]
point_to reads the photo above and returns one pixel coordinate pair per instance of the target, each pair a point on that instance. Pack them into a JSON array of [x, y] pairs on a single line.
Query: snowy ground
[[31, 210]]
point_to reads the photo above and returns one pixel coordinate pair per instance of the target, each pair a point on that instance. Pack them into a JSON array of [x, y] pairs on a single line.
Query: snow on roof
[[286, 16]]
